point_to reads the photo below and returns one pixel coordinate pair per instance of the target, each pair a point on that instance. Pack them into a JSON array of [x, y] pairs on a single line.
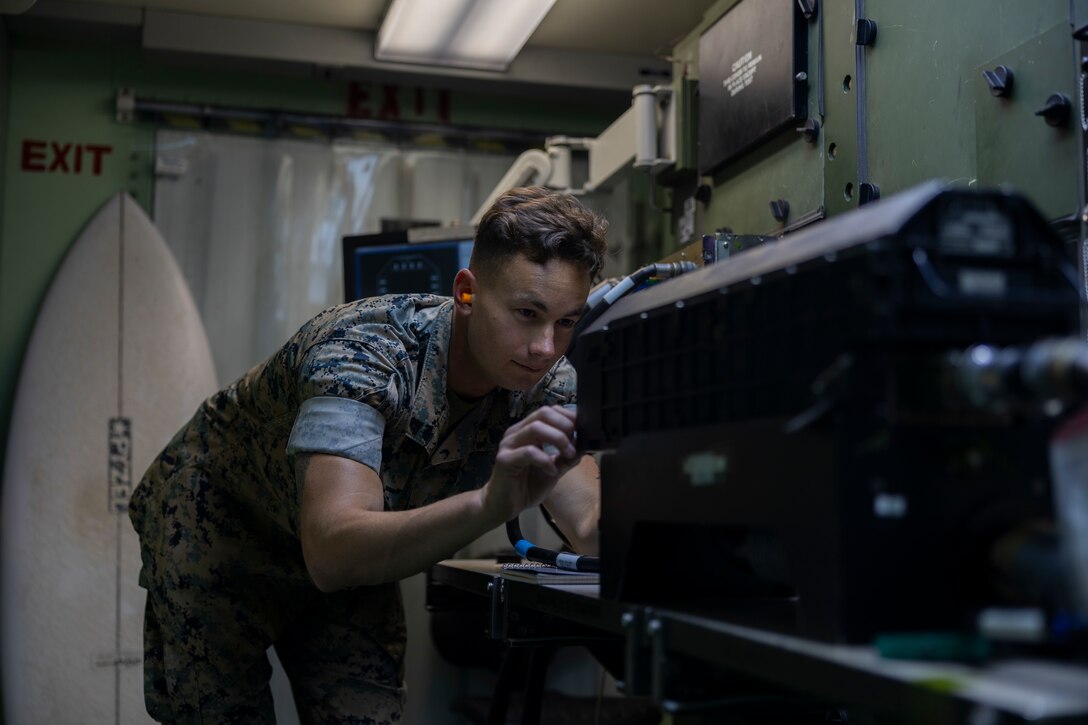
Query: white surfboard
[[118, 361]]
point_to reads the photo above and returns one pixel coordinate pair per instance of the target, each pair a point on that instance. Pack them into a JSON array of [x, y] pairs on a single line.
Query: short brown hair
[[541, 224]]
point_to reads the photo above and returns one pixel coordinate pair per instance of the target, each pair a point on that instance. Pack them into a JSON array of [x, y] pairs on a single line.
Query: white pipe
[[531, 168], [644, 104], [561, 175]]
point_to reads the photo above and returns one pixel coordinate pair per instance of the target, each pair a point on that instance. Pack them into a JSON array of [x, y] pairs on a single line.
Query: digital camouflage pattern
[[218, 518]]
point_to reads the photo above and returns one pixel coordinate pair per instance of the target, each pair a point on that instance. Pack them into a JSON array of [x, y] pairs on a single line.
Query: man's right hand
[[533, 455], [348, 539]]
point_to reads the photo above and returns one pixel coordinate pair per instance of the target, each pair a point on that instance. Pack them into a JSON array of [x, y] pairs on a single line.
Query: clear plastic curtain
[[256, 224]]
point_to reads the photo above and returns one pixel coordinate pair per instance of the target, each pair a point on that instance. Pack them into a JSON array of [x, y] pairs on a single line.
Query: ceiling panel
[[632, 27], [358, 14]]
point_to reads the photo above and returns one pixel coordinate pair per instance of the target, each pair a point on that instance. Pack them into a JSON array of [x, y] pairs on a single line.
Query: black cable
[[661, 270], [563, 560], [550, 521], [560, 559]]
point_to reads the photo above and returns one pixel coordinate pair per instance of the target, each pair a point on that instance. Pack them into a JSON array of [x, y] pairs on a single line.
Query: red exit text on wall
[[60, 157]]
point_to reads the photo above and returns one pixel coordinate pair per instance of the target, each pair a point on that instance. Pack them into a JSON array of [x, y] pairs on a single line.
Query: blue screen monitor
[[388, 263]]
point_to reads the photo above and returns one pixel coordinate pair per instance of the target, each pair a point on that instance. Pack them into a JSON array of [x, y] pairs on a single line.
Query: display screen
[[387, 263]]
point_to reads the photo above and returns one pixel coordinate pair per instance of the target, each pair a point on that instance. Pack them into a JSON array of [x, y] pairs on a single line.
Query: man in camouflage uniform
[[385, 435]]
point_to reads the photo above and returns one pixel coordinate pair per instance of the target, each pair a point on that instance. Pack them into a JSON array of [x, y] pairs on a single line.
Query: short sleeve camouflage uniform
[[218, 518]]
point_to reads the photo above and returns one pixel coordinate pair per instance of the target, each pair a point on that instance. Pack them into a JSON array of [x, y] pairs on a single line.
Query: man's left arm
[[575, 504]]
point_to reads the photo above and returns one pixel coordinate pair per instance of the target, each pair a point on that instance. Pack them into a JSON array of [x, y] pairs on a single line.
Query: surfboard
[[118, 360]]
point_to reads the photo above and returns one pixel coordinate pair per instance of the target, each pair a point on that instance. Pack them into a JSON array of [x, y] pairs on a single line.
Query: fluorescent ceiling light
[[482, 34]]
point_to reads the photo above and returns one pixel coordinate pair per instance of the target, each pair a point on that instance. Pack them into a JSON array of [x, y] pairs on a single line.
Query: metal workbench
[[667, 651]]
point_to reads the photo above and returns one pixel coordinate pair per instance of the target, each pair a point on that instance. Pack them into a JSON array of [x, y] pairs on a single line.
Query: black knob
[[780, 209], [810, 130], [808, 8], [866, 31], [1057, 110], [999, 80], [867, 192]]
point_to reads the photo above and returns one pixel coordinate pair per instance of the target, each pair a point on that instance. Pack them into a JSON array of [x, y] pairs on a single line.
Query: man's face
[[522, 317]]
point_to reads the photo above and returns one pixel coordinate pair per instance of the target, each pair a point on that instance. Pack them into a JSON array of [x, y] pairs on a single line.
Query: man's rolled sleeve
[[339, 427]]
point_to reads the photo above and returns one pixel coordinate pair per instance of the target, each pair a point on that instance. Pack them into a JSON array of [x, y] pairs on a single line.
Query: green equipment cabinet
[[796, 110]]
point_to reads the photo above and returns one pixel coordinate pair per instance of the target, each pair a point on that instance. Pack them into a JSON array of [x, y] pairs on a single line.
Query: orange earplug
[[466, 297]]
